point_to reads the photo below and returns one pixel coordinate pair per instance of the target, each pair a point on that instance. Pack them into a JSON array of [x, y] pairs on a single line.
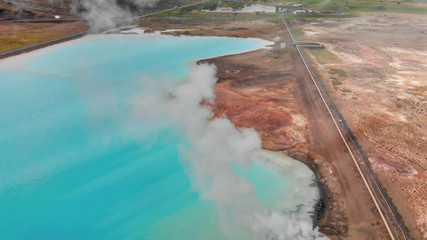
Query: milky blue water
[[75, 163]]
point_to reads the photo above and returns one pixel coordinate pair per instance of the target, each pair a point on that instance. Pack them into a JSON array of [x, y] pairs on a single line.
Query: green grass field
[[297, 32], [354, 6]]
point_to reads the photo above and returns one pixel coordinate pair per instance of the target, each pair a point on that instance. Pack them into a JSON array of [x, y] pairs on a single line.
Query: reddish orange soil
[[271, 91], [265, 106], [289, 115]]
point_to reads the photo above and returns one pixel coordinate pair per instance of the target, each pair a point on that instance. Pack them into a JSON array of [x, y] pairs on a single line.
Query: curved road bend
[[379, 196]]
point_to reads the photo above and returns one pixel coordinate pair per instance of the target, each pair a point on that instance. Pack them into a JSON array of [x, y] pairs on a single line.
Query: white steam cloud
[[106, 14], [216, 147]]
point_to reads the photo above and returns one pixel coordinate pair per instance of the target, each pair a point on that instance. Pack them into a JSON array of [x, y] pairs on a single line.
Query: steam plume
[[105, 14], [216, 147]]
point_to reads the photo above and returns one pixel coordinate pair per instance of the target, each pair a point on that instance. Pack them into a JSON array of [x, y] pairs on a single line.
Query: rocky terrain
[[375, 69], [34, 9]]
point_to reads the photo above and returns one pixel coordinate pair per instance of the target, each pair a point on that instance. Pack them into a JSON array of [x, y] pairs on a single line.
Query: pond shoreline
[[320, 206]]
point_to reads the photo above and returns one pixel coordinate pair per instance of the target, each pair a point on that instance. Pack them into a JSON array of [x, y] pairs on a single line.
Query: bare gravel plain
[[375, 68]]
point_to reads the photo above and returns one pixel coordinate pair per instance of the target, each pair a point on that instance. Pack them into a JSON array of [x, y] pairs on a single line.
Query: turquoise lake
[[76, 164]]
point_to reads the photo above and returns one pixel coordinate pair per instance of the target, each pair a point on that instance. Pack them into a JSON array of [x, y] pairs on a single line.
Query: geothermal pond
[[83, 157]]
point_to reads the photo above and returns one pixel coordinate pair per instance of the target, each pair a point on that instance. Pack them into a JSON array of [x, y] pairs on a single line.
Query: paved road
[[382, 201]]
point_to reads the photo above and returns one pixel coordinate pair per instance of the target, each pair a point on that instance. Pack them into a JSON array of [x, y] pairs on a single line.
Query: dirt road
[[382, 201], [330, 147], [373, 68]]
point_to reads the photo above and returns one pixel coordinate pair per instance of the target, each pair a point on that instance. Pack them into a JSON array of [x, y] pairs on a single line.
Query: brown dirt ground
[[16, 35], [271, 91], [378, 80], [42, 9]]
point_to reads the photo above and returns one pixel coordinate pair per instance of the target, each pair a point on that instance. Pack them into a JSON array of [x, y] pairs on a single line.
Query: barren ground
[[38, 9], [375, 70], [271, 91], [16, 35]]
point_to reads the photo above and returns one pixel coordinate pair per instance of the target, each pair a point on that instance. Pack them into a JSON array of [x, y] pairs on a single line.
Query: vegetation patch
[[339, 72], [19, 40], [315, 15], [354, 6], [336, 82], [277, 53], [296, 32], [324, 56]]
